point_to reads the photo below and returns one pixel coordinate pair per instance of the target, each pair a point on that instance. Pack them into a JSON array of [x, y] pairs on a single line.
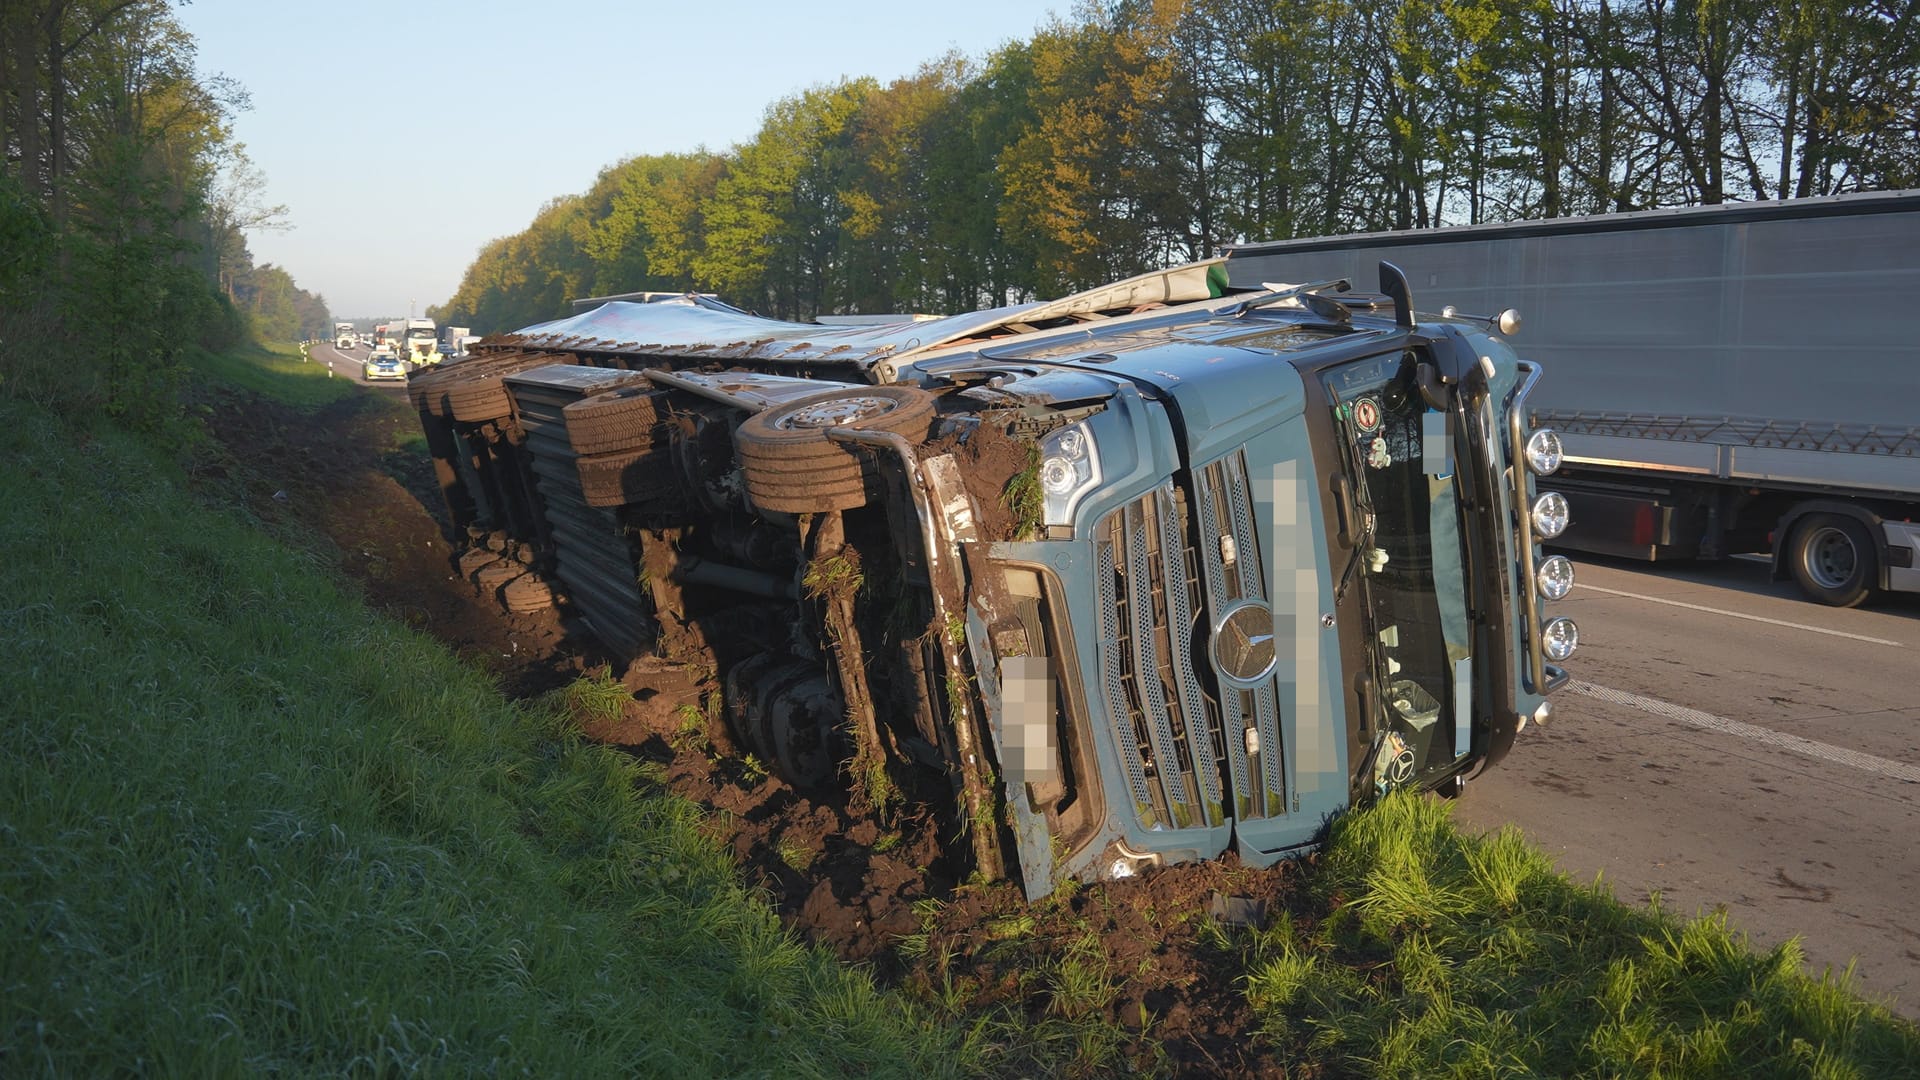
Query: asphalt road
[[349, 364], [1729, 744]]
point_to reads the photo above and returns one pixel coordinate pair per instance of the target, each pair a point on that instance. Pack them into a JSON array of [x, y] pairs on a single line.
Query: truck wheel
[[792, 467], [1833, 558]]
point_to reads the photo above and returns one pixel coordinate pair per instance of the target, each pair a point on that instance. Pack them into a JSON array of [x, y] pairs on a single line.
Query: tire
[[482, 396], [627, 418], [473, 559], [490, 578], [790, 465], [1834, 559], [801, 496], [527, 593], [631, 476], [428, 390]]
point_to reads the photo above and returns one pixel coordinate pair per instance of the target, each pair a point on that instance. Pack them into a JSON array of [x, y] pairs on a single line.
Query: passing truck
[[1726, 380], [343, 336], [1147, 574]]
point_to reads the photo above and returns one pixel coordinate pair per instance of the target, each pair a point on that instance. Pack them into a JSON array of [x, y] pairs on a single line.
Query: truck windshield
[[1408, 563]]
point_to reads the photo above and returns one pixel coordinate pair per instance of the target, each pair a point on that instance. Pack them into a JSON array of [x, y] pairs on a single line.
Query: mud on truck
[[1143, 575]]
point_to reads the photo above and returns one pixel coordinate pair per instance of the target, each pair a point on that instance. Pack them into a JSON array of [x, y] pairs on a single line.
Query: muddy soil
[[875, 889]]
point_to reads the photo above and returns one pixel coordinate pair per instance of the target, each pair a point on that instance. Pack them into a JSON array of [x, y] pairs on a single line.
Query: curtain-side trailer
[[1729, 379]]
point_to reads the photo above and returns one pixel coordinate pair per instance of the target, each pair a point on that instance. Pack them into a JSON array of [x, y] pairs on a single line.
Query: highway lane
[[349, 364], [1727, 743]]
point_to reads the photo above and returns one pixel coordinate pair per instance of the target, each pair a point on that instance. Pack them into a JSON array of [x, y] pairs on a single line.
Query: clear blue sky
[[510, 103]]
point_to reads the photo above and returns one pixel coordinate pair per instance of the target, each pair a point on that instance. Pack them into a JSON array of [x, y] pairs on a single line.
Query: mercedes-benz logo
[[1243, 650]]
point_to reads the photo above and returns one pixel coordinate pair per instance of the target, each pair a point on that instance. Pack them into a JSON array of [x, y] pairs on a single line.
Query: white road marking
[[1838, 755], [1743, 615]]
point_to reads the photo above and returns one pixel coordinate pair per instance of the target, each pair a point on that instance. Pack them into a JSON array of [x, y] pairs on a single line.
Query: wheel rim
[[835, 413], [1831, 559]]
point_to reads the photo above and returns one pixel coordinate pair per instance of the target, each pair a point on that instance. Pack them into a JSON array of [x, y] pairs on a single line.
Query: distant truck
[[1142, 575], [419, 346], [452, 341], [1730, 379], [343, 335]]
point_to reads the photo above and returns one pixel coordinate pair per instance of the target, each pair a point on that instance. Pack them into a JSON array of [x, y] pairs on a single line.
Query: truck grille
[[1231, 555], [1165, 726]]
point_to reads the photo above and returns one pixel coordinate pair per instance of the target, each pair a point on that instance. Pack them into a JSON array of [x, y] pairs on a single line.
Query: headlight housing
[[1550, 515], [1559, 638], [1554, 577], [1543, 452], [1069, 468]]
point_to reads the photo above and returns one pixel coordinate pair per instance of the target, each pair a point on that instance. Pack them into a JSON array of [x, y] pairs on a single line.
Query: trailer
[[1726, 380], [1147, 574], [453, 341]]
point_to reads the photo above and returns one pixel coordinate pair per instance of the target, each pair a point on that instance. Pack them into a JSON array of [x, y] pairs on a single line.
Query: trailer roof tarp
[[703, 326]]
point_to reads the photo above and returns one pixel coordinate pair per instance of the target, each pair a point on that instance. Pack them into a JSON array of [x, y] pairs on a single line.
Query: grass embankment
[[281, 373], [1438, 954], [246, 826]]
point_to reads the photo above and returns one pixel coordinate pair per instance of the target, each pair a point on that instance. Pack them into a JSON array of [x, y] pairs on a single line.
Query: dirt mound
[[1150, 957]]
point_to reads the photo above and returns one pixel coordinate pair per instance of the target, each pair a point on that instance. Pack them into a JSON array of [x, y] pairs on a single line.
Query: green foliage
[[795, 853], [831, 576], [123, 201], [1130, 136], [595, 698]]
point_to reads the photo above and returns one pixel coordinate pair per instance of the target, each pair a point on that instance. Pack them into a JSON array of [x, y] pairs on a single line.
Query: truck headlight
[[1559, 638], [1069, 468], [1554, 577], [1549, 515], [1543, 452]]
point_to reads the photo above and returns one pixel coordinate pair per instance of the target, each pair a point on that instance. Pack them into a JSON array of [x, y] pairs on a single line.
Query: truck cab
[[1288, 562], [419, 345]]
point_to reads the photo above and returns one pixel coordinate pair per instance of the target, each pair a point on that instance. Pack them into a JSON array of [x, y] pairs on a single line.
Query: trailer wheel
[[630, 476], [1834, 560], [624, 419], [792, 467], [480, 396]]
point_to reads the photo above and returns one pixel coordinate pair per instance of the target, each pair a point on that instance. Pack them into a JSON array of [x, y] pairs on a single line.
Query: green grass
[[1023, 498], [248, 827], [1435, 953], [278, 373]]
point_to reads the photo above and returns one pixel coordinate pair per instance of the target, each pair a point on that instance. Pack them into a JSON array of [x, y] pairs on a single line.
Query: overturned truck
[[1143, 575]]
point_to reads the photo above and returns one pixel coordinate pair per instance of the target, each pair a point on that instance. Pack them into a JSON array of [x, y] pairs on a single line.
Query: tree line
[[124, 207], [1139, 133]]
